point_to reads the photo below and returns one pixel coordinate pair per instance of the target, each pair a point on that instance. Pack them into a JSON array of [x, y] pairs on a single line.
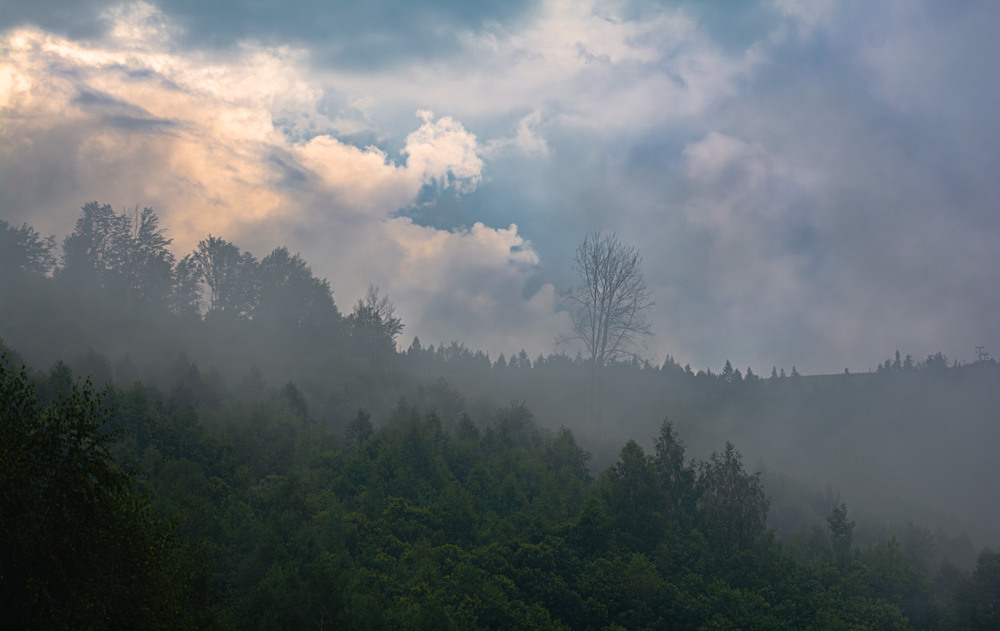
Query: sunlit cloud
[[232, 146], [794, 172]]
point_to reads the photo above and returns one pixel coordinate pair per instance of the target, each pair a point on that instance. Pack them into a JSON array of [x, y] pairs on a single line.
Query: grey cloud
[[872, 227], [357, 35], [289, 174], [119, 114], [76, 19], [351, 34]]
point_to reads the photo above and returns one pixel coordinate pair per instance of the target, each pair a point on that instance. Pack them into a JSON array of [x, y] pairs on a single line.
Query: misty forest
[[214, 442]]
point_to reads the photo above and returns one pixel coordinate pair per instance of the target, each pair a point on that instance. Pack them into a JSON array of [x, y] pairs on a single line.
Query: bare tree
[[609, 306]]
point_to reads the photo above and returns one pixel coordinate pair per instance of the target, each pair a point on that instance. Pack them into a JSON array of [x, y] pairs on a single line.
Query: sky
[[810, 183]]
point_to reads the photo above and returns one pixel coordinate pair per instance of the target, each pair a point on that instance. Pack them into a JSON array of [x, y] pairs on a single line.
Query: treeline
[[405, 523], [124, 260], [114, 303]]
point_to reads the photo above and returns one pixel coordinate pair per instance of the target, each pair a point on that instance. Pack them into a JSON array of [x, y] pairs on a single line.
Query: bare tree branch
[[610, 303]]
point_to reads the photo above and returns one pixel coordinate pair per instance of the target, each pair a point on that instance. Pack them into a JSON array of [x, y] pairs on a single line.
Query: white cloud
[[834, 162], [444, 153], [586, 65], [470, 284], [238, 147], [139, 25], [525, 140]]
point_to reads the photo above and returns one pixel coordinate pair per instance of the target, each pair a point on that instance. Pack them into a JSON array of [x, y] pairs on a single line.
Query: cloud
[[238, 146], [805, 180], [130, 105], [443, 153], [525, 140], [473, 282]]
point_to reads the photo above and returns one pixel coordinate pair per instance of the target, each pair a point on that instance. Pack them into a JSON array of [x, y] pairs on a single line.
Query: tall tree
[[610, 304], [231, 277], [676, 477], [374, 326], [186, 297], [23, 248], [145, 263], [634, 497], [79, 547], [732, 506], [841, 534], [88, 253], [290, 296], [124, 254]]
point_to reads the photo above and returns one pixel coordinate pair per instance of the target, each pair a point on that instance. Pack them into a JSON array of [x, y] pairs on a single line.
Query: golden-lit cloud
[[238, 146], [198, 138], [784, 166]]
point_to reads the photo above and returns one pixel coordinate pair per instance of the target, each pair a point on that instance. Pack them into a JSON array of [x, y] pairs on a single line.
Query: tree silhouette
[[609, 305], [290, 296], [23, 248], [230, 276], [374, 326], [80, 548], [124, 254]]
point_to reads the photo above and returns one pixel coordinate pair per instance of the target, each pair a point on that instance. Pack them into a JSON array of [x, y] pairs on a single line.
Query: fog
[[808, 185], [911, 442], [287, 236]]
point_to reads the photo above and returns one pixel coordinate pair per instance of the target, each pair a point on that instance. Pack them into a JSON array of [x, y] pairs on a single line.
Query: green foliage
[[841, 534], [383, 490], [980, 598], [732, 506], [409, 524], [79, 548]]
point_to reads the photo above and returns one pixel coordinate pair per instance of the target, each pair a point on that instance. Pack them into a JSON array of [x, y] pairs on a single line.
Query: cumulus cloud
[[443, 153], [797, 174], [237, 146], [471, 280]]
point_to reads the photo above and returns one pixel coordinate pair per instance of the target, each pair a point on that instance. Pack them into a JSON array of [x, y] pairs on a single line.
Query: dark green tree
[[79, 548], [841, 534], [980, 597], [633, 496], [676, 478], [732, 507], [124, 254]]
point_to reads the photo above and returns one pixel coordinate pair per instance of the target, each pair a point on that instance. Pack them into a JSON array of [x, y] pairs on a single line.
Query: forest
[[211, 442]]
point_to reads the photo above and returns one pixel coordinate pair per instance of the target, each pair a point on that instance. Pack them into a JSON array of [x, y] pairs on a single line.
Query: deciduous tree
[[230, 276], [79, 548], [23, 248], [609, 306], [374, 326]]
